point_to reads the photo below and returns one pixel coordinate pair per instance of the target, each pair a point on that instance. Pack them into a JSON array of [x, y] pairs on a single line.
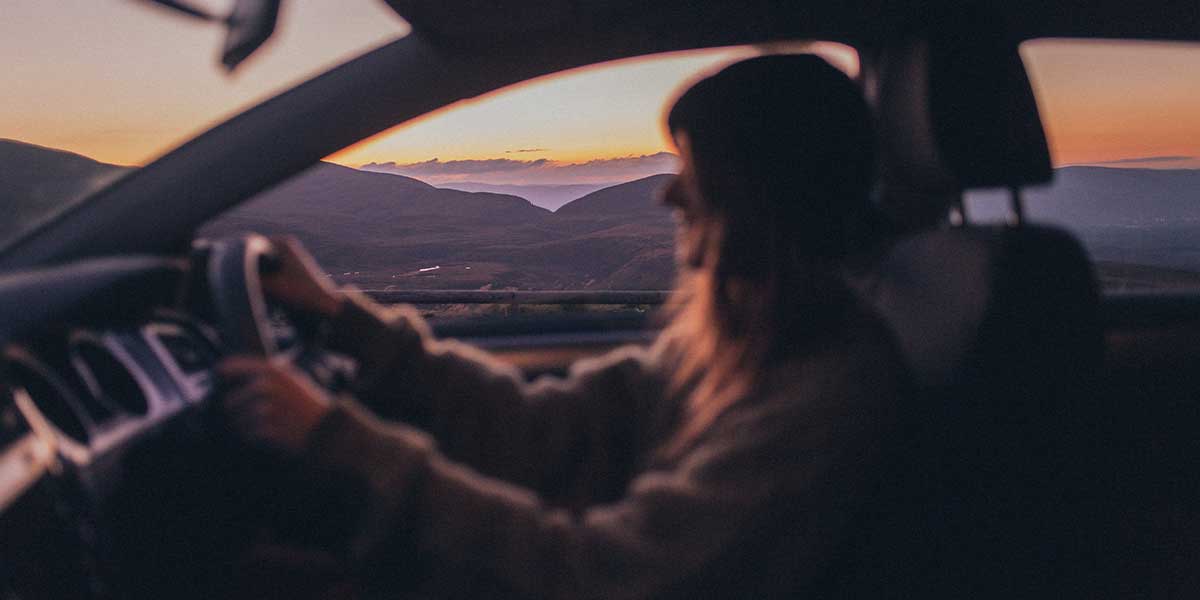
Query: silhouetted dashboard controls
[[187, 352], [49, 393], [109, 375], [190, 354], [98, 388]]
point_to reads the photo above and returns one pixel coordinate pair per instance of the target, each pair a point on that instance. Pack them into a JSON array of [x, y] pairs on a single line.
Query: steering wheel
[[242, 315], [234, 270], [226, 499], [194, 501]]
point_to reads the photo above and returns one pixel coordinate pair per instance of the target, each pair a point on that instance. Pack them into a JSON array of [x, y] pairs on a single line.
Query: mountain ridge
[[36, 182], [546, 195], [389, 231]]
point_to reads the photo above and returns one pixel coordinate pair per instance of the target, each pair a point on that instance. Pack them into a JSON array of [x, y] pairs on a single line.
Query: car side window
[[538, 198], [1123, 127]]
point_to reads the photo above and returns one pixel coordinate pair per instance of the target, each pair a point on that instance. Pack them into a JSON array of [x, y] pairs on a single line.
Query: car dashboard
[[106, 373], [86, 390]]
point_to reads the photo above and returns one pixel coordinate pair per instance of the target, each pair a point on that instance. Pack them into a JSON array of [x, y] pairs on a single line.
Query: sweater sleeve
[[809, 447], [484, 413]]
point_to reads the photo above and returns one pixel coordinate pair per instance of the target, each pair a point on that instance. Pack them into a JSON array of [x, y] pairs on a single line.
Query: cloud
[[523, 150], [438, 168], [533, 172], [1144, 159]]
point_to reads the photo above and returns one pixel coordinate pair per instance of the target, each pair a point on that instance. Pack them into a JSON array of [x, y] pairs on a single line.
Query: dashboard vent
[[109, 380], [49, 394], [190, 353]]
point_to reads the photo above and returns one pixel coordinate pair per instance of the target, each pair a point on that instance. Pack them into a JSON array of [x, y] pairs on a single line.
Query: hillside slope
[[382, 230], [36, 182], [547, 196], [1101, 196], [388, 231]]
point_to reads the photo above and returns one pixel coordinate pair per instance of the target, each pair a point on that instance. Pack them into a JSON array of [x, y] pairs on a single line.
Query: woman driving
[[728, 459]]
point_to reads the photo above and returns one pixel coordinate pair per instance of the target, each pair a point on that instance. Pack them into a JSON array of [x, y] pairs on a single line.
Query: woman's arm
[[549, 435], [800, 460], [484, 414]]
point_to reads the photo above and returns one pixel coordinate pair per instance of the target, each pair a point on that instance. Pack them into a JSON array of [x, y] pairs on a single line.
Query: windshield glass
[[540, 198], [97, 88]]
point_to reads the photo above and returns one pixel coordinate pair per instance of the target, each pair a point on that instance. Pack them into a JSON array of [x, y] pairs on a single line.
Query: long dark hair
[[782, 152]]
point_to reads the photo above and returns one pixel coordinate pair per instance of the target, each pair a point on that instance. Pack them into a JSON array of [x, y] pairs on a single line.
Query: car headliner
[[850, 20], [459, 50]]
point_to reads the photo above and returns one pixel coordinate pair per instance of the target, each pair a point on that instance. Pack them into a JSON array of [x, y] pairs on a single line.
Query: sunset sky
[[123, 82], [1115, 102]]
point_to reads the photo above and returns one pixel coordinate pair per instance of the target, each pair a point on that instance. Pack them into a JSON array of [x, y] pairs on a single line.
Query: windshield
[[97, 88], [536, 199]]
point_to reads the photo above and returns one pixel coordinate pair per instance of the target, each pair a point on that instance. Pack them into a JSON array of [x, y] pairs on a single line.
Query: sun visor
[[958, 112]]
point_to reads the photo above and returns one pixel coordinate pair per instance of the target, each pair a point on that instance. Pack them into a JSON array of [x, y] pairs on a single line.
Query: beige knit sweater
[[555, 489]]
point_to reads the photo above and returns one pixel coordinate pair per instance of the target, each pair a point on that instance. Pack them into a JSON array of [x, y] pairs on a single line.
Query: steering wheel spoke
[[234, 274]]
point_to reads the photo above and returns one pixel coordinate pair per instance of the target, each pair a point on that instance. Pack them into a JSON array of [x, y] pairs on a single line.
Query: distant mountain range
[[383, 231], [548, 196], [1123, 216], [1103, 197]]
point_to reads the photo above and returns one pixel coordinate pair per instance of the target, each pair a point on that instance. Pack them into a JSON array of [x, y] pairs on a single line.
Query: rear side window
[[1123, 123]]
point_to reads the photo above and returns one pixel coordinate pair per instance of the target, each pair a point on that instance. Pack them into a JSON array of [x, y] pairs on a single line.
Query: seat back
[[987, 491], [986, 494]]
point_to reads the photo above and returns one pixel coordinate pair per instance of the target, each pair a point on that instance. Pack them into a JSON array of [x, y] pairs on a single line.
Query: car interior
[[1050, 448]]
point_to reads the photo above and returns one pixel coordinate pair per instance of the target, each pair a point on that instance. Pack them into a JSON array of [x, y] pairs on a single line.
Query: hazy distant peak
[[1155, 162], [542, 171], [547, 196]]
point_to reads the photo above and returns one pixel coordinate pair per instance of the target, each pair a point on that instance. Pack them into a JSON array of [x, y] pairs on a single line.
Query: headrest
[[957, 112]]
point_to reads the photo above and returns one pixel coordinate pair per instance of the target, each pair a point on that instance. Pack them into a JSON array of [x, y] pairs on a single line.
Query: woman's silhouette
[[729, 459]]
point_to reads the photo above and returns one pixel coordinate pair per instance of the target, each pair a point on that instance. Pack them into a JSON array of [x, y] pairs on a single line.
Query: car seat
[[987, 491]]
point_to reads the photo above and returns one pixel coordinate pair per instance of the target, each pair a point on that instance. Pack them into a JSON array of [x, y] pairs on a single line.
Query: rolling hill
[[382, 230], [634, 201], [1102, 197], [386, 231], [547, 196], [1145, 217], [35, 182]]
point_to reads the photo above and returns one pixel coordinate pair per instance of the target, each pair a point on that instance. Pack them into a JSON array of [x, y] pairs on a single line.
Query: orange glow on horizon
[[571, 116], [568, 117], [122, 82], [1118, 101]]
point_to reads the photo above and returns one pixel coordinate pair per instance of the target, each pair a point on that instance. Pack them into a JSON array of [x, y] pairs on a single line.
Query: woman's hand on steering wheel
[[298, 283], [270, 401], [268, 398]]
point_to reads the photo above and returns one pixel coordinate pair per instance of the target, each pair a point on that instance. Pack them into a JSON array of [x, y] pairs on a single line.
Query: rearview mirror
[[248, 26]]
